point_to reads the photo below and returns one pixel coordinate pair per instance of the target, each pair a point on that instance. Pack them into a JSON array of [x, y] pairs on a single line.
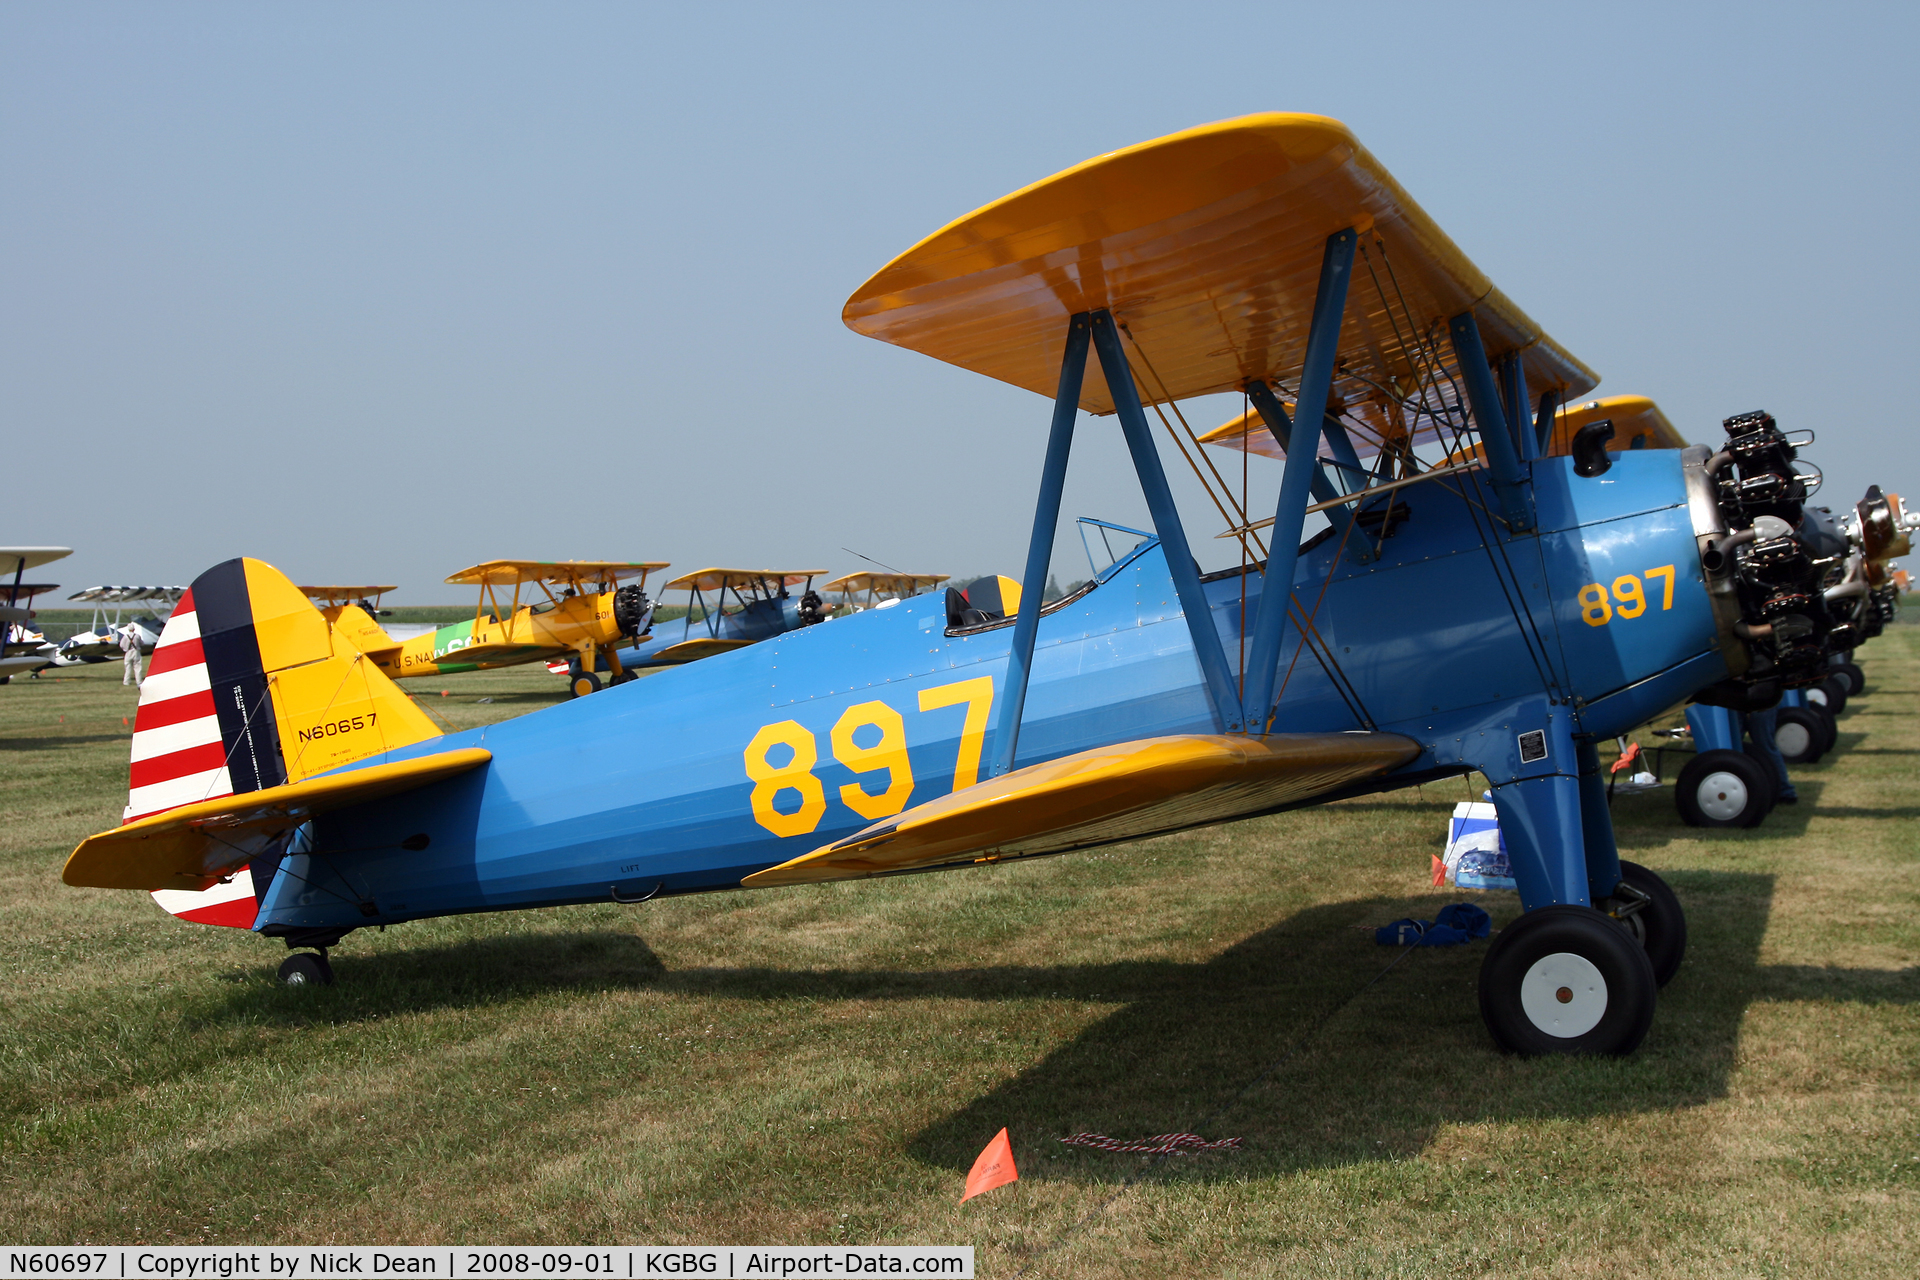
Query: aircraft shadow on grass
[[1390, 1067], [1365, 1072], [55, 743], [466, 974]]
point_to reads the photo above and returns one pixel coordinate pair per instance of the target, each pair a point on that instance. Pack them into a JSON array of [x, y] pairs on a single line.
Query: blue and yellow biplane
[[1498, 614], [866, 589], [762, 606]]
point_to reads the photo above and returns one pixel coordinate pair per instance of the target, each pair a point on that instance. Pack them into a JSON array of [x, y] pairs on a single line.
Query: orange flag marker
[[993, 1169], [1439, 873]]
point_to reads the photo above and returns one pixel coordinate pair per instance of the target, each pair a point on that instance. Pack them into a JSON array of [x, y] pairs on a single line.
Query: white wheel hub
[[1564, 995], [1817, 696], [1792, 739], [1723, 796]]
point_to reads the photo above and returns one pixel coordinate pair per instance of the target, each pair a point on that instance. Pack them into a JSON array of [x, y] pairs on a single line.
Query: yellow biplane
[[585, 622], [862, 591]]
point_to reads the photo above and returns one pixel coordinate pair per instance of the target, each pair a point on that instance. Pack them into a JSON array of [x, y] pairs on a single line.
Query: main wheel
[[1566, 979], [582, 683], [1829, 729], [1722, 789], [1649, 911], [1856, 678], [1835, 687], [304, 968], [1800, 734]]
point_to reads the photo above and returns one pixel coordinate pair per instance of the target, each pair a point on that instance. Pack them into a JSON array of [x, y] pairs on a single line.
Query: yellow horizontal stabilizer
[[1206, 245], [197, 845], [1122, 792], [508, 573], [898, 583], [694, 650], [716, 579]]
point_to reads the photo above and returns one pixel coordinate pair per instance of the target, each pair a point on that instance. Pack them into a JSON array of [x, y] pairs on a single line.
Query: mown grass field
[[822, 1064]]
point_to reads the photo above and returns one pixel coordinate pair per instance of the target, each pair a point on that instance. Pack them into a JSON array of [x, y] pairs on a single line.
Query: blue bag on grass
[[1455, 924]]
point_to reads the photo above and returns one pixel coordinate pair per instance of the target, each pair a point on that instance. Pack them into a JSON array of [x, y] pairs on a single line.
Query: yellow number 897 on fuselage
[[1628, 598]]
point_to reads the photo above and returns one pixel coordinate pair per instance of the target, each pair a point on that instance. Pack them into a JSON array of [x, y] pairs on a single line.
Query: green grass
[[822, 1064]]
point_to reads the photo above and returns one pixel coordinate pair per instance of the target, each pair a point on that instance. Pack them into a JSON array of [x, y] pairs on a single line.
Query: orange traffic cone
[[994, 1168]]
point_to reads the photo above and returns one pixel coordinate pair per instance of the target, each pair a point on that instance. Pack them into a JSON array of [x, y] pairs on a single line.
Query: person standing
[[130, 647]]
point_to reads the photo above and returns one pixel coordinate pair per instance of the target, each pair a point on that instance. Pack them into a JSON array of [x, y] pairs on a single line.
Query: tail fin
[[356, 626], [251, 688]]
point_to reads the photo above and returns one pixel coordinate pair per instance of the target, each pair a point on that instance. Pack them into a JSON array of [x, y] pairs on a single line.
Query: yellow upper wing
[[715, 579], [1207, 246], [508, 573], [894, 582], [344, 595], [1121, 792]]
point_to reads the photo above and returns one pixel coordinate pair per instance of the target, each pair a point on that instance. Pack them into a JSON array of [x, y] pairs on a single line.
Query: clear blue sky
[[377, 291]]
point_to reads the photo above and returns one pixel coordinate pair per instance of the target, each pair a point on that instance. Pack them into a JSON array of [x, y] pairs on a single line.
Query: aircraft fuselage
[[1495, 653]]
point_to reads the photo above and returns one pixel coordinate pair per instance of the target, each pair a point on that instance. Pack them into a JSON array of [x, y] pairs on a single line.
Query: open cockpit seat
[[990, 599]]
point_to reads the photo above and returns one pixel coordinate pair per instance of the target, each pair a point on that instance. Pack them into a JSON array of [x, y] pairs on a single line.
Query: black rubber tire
[[305, 968], [1836, 689], [1659, 924], [1829, 728], [625, 677], [581, 683], [1803, 729], [1722, 789], [1856, 678], [1546, 959], [1759, 757]]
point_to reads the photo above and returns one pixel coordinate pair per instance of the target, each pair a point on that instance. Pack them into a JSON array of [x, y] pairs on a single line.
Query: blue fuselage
[[694, 777], [757, 620]]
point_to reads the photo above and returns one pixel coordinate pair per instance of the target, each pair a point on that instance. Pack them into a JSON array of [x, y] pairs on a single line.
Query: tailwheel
[[307, 968], [1723, 789], [1652, 914], [1801, 734], [581, 683], [1566, 979]]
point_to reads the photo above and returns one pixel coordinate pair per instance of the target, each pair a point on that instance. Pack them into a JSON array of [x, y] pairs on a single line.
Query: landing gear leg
[[1627, 892], [1652, 914], [620, 674], [1565, 977]]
